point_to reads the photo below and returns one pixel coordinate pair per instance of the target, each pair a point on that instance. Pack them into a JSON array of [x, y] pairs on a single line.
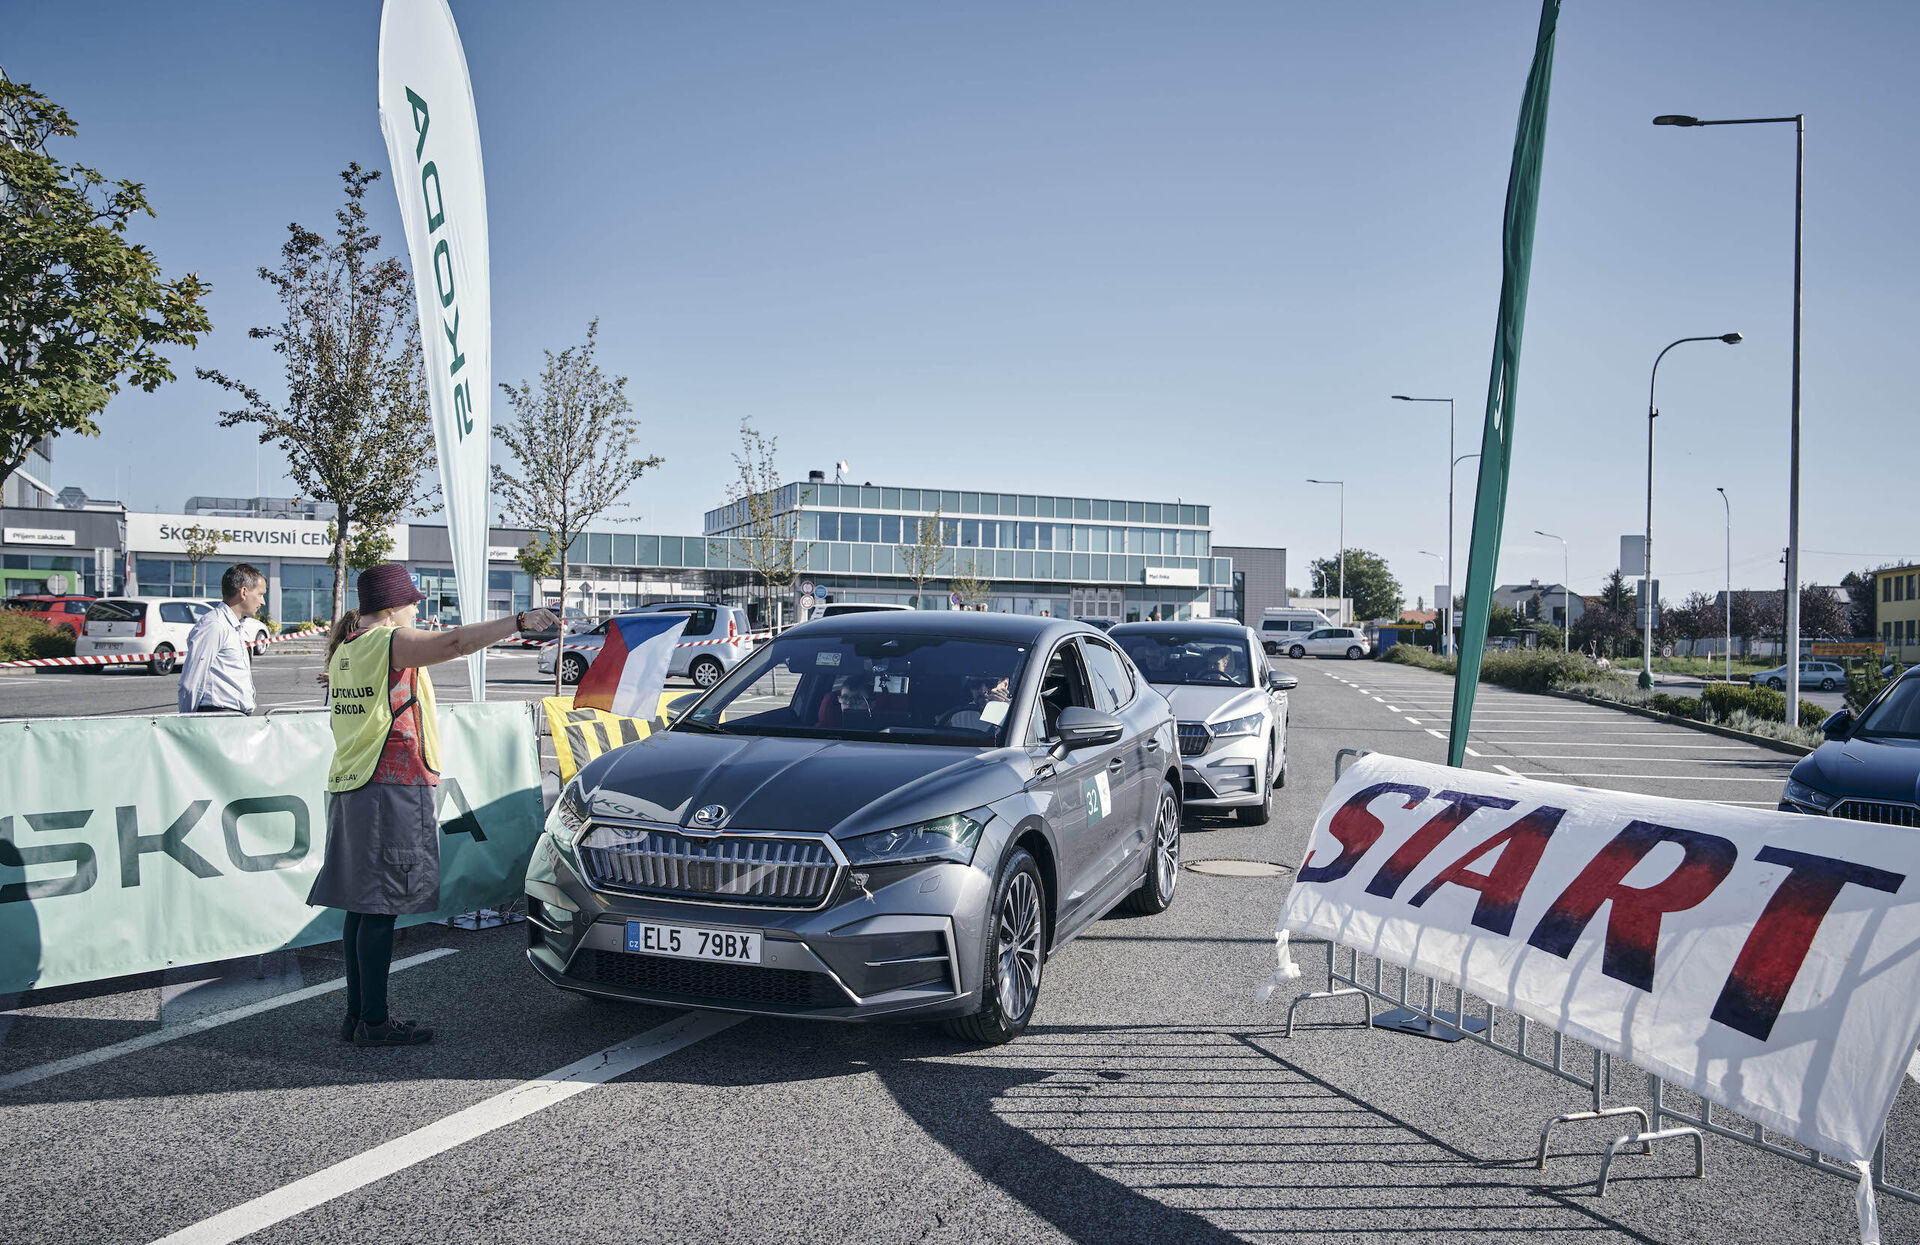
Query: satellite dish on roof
[[840, 469]]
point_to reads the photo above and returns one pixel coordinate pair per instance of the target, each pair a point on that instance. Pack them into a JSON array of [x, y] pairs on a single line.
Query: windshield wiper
[[705, 727]]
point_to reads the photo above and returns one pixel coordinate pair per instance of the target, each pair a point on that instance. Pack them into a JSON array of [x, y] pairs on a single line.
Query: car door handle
[[1117, 763], [1153, 743]]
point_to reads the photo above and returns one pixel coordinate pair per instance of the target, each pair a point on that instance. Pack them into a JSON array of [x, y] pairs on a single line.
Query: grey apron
[[383, 852]]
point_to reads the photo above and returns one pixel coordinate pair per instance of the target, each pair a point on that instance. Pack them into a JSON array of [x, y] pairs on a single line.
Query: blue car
[[1869, 768]]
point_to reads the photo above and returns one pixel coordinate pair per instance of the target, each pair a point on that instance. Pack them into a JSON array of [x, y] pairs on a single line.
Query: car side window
[[1063, 686], [175, 612], [1112, 686], [1318, 635], [699, 622]]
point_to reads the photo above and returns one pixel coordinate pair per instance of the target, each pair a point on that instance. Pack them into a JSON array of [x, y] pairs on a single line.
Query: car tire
[[1014, 951], [1777, 685], [706, 671], [162, 662], [1355, 653], [1262, 813], [1826, 685], [1297, 652], [1155, 893], [572, 668]]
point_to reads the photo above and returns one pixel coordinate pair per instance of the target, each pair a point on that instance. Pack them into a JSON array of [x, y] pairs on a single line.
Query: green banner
[[133, 844], [1496, 444]]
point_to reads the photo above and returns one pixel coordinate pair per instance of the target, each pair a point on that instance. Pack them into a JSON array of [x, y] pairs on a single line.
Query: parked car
[[883, 815], [1099, 624], [155, 625], [1348, 642], [1824, 675], [573, 621], [1279, 628], [834, 609], [1231, 709], [1869, 768], [721, 630], [253, 632], [68, 613]]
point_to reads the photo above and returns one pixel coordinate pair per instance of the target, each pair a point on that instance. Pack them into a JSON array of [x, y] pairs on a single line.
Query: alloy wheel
[[1020, 931], [1166, 846], [706, 672]]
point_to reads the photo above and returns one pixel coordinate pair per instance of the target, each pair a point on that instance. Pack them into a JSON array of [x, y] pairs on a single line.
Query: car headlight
[[943, 838], [1798, 792], [1252, 724], [567, 823]]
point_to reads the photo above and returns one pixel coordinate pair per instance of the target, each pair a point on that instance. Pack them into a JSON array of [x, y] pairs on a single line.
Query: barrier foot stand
[[1614, 1147], [1442, 1027], [1328, 994], [1581, 1117]]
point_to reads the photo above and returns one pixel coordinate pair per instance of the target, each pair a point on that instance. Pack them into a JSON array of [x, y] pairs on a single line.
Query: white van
[[1281, 628]]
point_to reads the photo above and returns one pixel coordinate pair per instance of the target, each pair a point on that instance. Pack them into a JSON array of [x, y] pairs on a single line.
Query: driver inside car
[[976, 714]]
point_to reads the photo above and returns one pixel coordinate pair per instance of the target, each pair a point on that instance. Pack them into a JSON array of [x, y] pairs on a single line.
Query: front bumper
[[1231, 773], [901, 942]]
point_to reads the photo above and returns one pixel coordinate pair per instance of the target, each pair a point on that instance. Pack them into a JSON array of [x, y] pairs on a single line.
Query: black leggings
[[369, 951]]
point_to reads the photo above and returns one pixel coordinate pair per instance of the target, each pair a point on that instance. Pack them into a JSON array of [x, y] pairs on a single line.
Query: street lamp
[[1446, 610], [1727, 605], [1799, 123], [1646, 597], [1343, 542], [1566, 601]]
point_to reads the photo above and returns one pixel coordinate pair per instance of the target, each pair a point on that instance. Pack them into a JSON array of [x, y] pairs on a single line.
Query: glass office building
[[1076, 557]]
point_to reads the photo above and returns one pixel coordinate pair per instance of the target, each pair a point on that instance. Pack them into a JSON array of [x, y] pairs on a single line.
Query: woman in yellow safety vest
[[383, 840]]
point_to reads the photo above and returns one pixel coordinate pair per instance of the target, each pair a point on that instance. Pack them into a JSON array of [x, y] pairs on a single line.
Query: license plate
[[688, 942], [107, 644]]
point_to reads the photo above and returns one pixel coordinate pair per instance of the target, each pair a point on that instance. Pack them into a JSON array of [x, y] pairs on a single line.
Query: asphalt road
[[1152, 1099]]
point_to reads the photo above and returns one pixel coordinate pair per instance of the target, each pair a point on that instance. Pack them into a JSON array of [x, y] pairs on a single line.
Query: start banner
[[1766, 961], [133, 844]]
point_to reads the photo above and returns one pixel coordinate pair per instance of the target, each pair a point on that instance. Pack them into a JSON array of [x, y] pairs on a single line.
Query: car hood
[[825, 786], [1867, 769], [1202, 703]]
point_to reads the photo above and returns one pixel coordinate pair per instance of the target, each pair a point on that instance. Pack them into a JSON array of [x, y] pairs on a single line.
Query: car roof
[[1164, 628], [1019, 628]]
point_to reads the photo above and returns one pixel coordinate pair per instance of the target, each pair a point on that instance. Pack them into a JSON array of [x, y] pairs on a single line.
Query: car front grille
[[748, 984], [1879, 812], [765, 870], [1193, 738]]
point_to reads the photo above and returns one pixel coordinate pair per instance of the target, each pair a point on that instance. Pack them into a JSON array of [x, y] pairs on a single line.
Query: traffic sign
[[954, 597], [806, 587], [1666, 650], [806, 600]]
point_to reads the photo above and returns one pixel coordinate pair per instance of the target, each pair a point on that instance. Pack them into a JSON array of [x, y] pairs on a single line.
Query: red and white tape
[[130, 659], [744, 637]]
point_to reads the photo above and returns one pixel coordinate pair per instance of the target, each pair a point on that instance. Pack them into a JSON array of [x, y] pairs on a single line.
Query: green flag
[[1496, 445]]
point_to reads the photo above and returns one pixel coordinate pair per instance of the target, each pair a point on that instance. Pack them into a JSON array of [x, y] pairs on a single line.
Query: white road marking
[[1503, 769], [1381, 700], [477, 1120], [1434, 733], [1594, 743], [1472, 753], [1395, 708], [1660, 777], [1415, 721], [41, 1071], [1789, 762]]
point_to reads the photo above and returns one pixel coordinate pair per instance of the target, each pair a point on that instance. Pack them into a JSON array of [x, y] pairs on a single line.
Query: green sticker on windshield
[[1098, 796]]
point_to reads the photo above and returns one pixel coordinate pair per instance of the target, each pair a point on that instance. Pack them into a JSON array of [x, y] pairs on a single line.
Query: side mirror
[[1281, 682], [1080, 727], [1839, 726]]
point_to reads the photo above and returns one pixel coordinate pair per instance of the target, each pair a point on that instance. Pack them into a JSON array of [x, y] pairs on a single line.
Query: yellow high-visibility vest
[[362, 709]]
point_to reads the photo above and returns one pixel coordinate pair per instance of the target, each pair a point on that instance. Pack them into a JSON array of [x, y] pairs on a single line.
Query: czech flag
[[627, 675]]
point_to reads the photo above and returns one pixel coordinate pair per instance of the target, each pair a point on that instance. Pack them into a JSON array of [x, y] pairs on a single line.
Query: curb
[[1711, 728]]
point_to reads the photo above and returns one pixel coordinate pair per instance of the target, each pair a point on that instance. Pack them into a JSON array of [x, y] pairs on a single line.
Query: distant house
[[1541, 602], [1423, 617]]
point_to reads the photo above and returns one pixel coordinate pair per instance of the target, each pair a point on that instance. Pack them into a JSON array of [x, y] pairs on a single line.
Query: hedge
[[22, 636], [1724, 699]]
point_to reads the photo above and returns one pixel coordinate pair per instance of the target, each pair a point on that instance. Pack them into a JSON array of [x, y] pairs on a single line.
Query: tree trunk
[[560, 640], [340, 565]]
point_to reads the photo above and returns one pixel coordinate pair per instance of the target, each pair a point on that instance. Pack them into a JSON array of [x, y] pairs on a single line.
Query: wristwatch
[[520, 620]]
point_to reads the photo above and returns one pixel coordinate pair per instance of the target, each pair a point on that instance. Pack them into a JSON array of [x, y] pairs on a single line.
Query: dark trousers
[[369, 951]]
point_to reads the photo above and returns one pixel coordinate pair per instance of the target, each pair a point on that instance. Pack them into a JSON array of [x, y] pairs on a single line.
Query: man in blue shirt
[[218, 674]]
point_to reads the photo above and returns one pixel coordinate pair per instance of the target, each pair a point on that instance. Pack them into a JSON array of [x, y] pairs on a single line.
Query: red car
[[66, 612]]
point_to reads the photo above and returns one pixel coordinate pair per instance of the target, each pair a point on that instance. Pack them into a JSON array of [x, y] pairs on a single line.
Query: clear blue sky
[[1146, 251]]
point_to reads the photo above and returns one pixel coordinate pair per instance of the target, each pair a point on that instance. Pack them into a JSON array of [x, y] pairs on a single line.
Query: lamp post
[[1646, 597], [1343, 542], [1799, 123], [1727, 606], [1566, 601], [1446, 608]]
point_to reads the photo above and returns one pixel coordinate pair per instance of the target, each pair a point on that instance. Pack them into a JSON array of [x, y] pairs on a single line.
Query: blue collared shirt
[[218, 673]]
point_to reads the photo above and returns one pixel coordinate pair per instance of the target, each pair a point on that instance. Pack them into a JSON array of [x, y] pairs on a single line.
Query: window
[[1112, 685], [1064, 687], [1213, 658], [1886, 588], [175, 612], [869, 528], [699, 621], [890, 529]]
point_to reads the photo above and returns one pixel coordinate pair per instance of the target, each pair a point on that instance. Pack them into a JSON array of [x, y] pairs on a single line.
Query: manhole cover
[[1237, 868]]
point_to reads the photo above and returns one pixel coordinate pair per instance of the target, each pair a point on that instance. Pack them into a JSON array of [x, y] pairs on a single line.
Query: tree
[[921, 560], [354, 421], [1697, 619], [367, 547], [538, 558], [1372, 588], [201, 543], [84, 308], [1860, 603], [1822, 614], [572, 439], [766, 532], [975, 589], [1617, 594]]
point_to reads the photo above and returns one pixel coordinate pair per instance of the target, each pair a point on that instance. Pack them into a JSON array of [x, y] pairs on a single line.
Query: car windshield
[[1897, 716], [1188, 657], [116, 611], [890, 687]]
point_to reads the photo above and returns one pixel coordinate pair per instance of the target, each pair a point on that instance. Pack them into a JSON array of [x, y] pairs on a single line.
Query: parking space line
[[1510, 773], [1788, 762], [1648, 777], [42, 1071], [1415, 721], [482, 1118], [1435, 734], [1394, 708]]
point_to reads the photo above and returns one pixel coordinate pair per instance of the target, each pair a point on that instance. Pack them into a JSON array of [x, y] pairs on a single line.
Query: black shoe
[[347, 1028], [391, 1033]]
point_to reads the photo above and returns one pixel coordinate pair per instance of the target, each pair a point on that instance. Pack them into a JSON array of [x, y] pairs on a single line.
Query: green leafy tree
[[572, 440], [354, 422], [368, 546], [538, 558], [1374, 590], [201, 543], [81, 308]]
